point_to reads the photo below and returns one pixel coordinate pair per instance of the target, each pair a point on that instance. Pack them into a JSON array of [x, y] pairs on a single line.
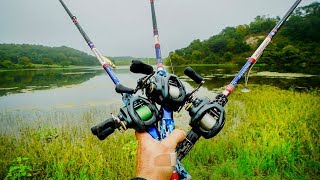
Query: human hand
[[156, 159]]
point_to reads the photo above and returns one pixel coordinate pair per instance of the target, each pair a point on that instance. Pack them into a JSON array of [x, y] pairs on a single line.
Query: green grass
[[269, 134]]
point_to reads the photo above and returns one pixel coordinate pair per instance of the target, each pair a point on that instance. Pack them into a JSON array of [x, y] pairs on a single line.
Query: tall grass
[[269, 134]]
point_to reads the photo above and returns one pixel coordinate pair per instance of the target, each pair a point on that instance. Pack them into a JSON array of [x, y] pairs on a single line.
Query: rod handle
[[186, 145]]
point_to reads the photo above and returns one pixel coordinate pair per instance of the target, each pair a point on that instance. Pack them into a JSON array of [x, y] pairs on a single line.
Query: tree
[[64, 63], [290, 55], [7, 64], [25, 62], [47, 61], [228, 56], [261, 24], [196, 55], [177, 60]]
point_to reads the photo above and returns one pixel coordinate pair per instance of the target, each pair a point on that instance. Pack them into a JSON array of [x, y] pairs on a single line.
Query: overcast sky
[[124, 27]]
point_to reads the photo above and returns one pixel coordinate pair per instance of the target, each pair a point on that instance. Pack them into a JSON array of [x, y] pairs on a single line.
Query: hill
[[26, 55], [13, 56], [298, 42]]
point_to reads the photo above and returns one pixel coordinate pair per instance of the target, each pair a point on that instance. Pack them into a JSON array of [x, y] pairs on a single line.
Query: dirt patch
[[252, 41]]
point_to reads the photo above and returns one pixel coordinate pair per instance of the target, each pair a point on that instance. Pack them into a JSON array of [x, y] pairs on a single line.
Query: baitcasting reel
[[139, 114], [207, 117], [166, 90]]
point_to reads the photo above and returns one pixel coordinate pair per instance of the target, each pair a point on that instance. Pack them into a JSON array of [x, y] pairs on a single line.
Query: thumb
[[174, 138]]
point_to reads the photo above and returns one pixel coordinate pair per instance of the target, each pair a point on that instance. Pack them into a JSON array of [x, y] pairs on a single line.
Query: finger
[[174, 138]]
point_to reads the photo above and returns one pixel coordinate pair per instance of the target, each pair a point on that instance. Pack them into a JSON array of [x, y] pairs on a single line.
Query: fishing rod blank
[[257, 54], [160, 68], [99, 56]]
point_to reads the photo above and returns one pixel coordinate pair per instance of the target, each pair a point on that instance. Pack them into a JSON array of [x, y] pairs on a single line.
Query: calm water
[[87, 87]]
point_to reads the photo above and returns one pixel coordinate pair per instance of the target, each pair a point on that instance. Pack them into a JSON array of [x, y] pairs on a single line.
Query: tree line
[[298, 42], [26, 56], [15, 56]]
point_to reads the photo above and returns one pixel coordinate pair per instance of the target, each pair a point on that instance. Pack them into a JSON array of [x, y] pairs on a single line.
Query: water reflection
[[216, 77], [30, 80]]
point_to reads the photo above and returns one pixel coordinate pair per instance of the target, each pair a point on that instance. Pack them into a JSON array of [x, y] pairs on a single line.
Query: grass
[[269, 134]]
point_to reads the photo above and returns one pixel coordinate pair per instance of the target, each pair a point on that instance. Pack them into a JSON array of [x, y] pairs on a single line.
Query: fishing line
[[171, 63], [246, 79]]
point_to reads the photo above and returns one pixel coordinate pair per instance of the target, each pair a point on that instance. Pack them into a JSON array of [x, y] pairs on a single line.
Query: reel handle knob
[[140, 67], [105, 133], [106, 125], [193, 75]]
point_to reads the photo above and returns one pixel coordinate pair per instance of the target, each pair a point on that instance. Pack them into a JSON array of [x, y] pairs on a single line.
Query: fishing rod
[[104, 61], [174, 94], [166, 90], [200, 108], [257, 54], [138, 112], [160, 68]]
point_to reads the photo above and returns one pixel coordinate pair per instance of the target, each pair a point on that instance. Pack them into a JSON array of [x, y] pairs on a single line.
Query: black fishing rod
[[208, 117]]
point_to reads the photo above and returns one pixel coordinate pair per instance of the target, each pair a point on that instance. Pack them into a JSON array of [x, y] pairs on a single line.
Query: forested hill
[[298, 42], [14, 56], [25, 55]]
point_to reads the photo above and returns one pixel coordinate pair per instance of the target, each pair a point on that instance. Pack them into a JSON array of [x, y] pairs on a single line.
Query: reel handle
[[140, 67], [104, 129], [193, 75]]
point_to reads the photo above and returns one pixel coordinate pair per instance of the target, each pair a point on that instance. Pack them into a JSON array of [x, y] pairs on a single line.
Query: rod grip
[[186, 145], [140, 67], [193, 75]]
